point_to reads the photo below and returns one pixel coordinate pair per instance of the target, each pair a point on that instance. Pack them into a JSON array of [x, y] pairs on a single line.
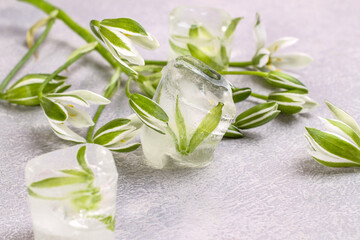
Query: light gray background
[[264, 186]]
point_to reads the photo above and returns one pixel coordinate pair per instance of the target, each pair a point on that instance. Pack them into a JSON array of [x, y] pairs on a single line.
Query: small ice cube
[[72, 193], [199, 90]]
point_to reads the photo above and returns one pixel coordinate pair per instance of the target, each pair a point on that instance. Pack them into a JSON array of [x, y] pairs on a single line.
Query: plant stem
[[59, 70], [254, 73], [26, 57], [240, 64], [82, 32], [155, 62], [109, 92], [256, 95]]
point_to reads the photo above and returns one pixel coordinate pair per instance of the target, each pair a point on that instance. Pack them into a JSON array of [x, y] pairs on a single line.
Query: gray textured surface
[[264, 186]]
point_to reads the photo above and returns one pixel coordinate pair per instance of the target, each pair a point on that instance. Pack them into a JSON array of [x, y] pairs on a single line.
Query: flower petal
[[261, 58], [259, 33], [148, 42], [65, 99], [291, 60], [344, 117], [282, 43], [90, 97], [78, 117], [62, 131]]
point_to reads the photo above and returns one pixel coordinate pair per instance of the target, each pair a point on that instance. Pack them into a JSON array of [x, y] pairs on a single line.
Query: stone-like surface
[[264, 186]]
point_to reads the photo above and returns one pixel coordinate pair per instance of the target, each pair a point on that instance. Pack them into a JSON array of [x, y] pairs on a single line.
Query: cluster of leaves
[[339, 146]]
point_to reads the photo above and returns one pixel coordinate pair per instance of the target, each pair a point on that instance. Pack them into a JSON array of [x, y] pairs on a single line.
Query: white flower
[[61, 108], [120, 34], [267, 58], [292, 101], [339, 146]]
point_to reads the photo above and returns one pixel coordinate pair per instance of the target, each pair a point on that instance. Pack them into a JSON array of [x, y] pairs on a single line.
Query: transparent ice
[[68, 212], [199, 89], [214, 20]]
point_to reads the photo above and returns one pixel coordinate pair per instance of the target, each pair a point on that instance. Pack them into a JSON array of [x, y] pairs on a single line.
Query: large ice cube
[[199, 90], [72, 193]]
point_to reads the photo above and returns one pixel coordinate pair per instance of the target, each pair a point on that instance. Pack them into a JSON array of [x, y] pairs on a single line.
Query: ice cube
[[204, 28], [199, 89], [72, 193]]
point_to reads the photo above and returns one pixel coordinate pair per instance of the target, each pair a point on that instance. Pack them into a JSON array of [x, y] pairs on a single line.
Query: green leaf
[[149, 112], [346, 129], [206, 127], [180, 124], [107, 138], [83, 50], [194, 31], [35, 195], [344, 117], [197, 53], [81, 158], [58, 182], [126, 24], [232, 26], [283, 80], [109, 221], [204, 33], [113, 38], [240, 94], [286, 104], [53, 111], [337, 164], [178, 50], [126, 148], [113, 124], [87, 202], [74, 172], [257, 115], [233, 132], [335, 145], [224, 56]]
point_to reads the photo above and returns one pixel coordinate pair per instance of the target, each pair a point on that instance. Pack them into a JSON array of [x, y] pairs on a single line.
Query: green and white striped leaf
[[232, 26], [74, 172], [112, 137], [257, 115], [90, 97], [342, 129], [149, 112], [206, 127], [124, 25], [233, 132], [333, 144], [83, 50], [292, 101], [54, 111], [58, 182], [197, 53], [283, 80], [180, 124], [240, 94], [81, 159], [344, 117], [114, 125]]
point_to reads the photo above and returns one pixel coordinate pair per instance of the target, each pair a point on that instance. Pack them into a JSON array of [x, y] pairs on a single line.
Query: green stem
[[82, 32], [155, 62], [109, 92], [256, 95], [26, 57], [127, 86], [240, 64], [59, 70], [254, 73]]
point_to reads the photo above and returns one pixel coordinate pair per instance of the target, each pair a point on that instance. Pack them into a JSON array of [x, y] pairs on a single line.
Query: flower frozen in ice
[[339, 146], [268, 58], [61, 108]]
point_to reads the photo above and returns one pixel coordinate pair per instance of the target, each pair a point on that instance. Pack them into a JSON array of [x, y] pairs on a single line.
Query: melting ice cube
[[72, 193]]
